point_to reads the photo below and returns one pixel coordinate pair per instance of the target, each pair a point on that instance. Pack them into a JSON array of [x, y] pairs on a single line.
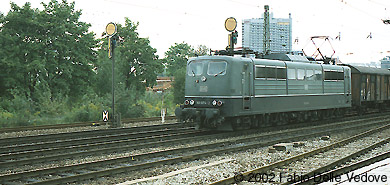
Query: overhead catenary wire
[[370, 14]]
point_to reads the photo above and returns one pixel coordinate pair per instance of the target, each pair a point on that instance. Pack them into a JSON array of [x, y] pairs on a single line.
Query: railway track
[[80, 124], [68, 149], [108, 167], [19, 155], [83, 134], [313, 166], [55, 147], [20, 147]]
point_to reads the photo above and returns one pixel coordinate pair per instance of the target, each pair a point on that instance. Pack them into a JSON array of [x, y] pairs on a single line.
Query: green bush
[[179, 86], [44, 109], [152, 103], [8, 119], [16, 111], [90, 109]]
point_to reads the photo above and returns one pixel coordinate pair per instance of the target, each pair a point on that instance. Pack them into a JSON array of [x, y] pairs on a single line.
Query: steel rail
[[82, 134], [89, 140], [80, 124], [57, 154]]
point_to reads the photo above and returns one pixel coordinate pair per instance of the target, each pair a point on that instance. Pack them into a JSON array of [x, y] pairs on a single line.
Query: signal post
[[230, 26], [111, 30]]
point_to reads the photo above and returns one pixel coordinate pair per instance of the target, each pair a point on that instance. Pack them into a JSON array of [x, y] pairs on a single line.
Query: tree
[[136, 62], [136, 67], [51, 45], [177, 56], [20, 44], [176, 61], [202, 50], [70, 48], [179, 86]]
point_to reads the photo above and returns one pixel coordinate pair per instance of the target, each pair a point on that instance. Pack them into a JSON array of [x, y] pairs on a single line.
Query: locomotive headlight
[[219, 103], [192, 102], [203, 78], [214, 102], [186, 102]]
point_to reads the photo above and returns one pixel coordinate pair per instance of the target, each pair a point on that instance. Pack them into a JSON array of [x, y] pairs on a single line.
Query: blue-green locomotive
[[229, 93]]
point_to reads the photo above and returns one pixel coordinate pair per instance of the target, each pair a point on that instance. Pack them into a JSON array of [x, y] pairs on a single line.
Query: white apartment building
[[280, 28]]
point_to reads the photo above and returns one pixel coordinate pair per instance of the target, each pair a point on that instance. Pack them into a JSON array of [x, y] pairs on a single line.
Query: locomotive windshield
[[195, 68], [216, 68]]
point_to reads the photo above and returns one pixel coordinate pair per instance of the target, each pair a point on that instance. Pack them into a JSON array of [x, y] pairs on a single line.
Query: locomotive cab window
[[264, 72], [270, 72], [281, 73], [195, 68], [216, 68], [334, 75]]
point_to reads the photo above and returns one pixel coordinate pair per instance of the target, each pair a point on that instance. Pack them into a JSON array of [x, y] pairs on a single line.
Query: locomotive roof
[[287, 57], [273, 56], [368, 70], [216, 57]]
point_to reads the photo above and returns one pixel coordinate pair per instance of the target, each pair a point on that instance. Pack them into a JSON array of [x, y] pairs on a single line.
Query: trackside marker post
[[105, 116]]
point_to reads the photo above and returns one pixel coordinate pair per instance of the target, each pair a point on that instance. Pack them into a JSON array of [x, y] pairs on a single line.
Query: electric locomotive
[[229, 93]]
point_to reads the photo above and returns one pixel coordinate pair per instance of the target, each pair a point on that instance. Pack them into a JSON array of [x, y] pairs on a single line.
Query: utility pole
[[267, 33]]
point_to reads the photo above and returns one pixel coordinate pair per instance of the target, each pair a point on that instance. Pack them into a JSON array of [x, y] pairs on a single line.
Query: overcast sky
[[166, 22]]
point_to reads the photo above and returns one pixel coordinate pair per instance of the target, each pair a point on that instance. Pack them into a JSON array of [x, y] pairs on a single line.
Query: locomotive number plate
[[201, 102], [203, 89]]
